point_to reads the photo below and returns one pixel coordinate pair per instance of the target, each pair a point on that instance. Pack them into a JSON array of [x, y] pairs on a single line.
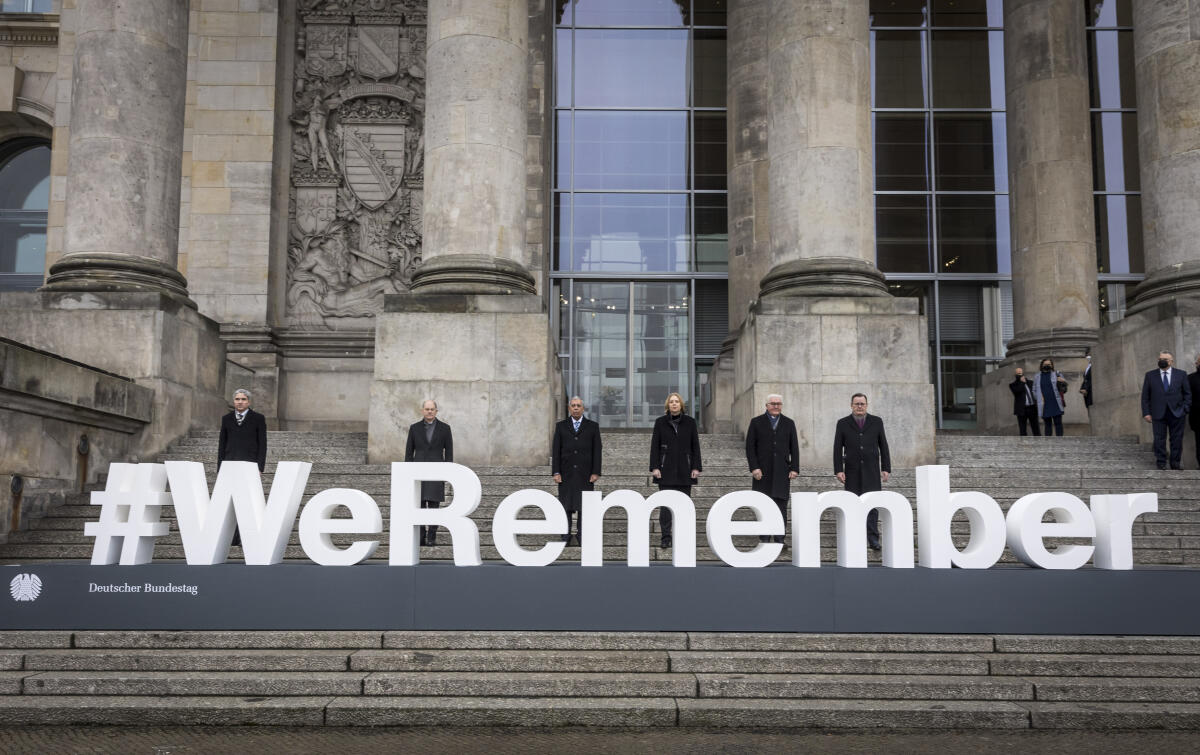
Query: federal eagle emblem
[[25, 587]]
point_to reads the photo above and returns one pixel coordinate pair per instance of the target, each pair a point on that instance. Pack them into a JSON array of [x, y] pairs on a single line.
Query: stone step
[[150, 710], [571, 661], [282, 659], [177, 683], [752, 662], [529, 684], [1165, 666], [862, 687], [853, 714]]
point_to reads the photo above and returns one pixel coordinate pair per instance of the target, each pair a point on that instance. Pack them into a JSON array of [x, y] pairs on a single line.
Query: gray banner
[[781, 598]]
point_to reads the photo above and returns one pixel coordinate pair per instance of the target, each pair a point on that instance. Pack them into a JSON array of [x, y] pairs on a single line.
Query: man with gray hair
[[575, 455], [430, 439], [773, 455], [243, 437]]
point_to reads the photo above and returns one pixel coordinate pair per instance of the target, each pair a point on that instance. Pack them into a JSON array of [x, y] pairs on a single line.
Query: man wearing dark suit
[[575, 456], [1024, 403], [860, 452], [773, 455], [430, 440], [243, 438], [1194, 416], [1166, 397], [1086, 387]]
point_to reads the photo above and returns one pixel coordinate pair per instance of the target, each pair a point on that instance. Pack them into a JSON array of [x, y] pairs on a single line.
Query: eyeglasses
[[774, 403]]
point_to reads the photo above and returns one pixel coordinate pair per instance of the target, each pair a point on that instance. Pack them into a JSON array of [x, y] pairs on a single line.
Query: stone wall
[[28, 81]]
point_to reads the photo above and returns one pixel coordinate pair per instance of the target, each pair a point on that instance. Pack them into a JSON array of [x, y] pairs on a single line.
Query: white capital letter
[[407, 513], [317, 524]]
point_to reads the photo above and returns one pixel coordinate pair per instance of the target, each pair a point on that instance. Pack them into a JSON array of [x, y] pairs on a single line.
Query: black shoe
[[764, 538], [567, 538], [1176, 466], [1162, 466], [666, 541], [875, 546], [432, 540], [778, 539]]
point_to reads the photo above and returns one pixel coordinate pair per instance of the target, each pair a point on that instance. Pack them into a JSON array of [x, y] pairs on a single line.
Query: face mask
[[1162, 364], [1046, 368]]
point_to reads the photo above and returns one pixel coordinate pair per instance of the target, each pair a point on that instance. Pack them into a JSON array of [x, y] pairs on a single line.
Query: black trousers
[[1196, 432], [429, 531], [577, 514], [1173, 426], [1054, 423], [1029, 418], [665, 518]]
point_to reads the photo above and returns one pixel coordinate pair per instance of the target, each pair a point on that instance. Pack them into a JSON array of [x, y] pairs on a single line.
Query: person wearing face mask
[[1024, 404], [674, 456], [1166, 397], [1048, 388]]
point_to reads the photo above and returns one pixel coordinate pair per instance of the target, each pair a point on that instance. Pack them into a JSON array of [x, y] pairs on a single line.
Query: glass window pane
[[660, 348], [899, 12], [709, 68], [710, 151], [970, 152], [973, 234], [968, 13], [631, 150], [901, 157], [631, 233], [564, 12], [631, 13], [1110, 13], [961, 379], [968, 69], [712, 233], [1115, 152], [631, 68], [1119, 234], [600, 354], [1114, 299], [1114, 84], [710, 12], [902, 240], [562, 150], [898, 68], [23, 244], [562, 68], [562, 232], [25, 181]]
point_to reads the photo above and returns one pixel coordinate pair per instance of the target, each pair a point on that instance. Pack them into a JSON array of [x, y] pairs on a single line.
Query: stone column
[[821, 179], [126, 139], [1167, 54], [1055, 295], [475, 133]]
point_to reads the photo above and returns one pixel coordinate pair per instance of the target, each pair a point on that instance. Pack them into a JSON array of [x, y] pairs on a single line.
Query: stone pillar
[[821, 174], [475, 133], [1167, 54], [126, 139]]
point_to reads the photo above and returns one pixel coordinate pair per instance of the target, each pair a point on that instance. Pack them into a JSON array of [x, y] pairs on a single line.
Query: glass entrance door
[[631, 347]]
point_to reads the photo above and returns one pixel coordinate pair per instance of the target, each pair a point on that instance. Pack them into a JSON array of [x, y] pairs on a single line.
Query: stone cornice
[[33, 29]]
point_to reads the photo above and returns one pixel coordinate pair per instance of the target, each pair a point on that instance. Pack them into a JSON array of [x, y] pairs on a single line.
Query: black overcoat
[[1018, 391], [247, 442], [441, 448], [576, 456], [861, 453], [776, 452], [1088, 399], [1194, 416], [675, 453]]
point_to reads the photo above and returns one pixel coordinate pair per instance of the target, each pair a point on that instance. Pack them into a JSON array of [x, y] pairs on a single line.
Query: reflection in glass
[[973, 235], [708, 67], [968, 69], [633, 233], [710, 12], [631, 13], [562, 231], [600, 352], [1110, 13], [24, 199], [899, 12], [630, 150], [901, 159], [710, 150], [968, 13], [712, 233], [562, 150], [631, 68], [1115, 152], [898, 69], [1113, 301], [660, 349], [1113, 82], [961, 379], [903, 241], [562, 67], [970, 152], [1119, 234], [25, 181]]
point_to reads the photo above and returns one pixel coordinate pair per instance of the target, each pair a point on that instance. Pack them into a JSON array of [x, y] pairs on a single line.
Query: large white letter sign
[[850, 511], [935, 510], [506, 527], [407, 512], [130, 508], [1114, 515], [206, 524], [720, 528], [637, 517], [317, 524], [1026, 530]]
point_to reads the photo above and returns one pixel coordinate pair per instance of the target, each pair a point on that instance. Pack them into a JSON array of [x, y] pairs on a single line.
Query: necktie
[[240, 417], [576, 423], [428, 432], [1166, 381], [774, 422], [860, 422]]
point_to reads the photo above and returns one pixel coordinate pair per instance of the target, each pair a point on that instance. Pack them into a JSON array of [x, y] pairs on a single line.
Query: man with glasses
[[861, 459], [773, 454]]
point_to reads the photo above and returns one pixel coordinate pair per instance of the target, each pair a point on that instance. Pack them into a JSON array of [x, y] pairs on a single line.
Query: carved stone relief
[[358, 115]]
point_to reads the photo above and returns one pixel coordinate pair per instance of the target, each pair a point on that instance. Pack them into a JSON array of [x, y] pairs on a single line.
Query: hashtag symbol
[[130, 509]]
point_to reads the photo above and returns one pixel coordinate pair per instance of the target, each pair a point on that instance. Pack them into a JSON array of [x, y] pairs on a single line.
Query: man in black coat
[[1024, 402], [1086, 387], [1166, 397], [860, 452], [575, 456], [1194, 415], [243, 437], [773, 454], [430, 440]]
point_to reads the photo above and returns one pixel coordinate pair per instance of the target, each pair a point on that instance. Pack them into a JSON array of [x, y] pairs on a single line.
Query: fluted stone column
[[821, 180], [125, 147], [1055, 295], [1167, 54], [475, 129]]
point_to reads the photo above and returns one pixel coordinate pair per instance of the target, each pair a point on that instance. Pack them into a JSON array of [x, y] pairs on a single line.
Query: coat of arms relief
[[358, 112]]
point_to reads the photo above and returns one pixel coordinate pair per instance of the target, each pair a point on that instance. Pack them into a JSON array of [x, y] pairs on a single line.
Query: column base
[[472, 274], [824, 276], [117, 273], [1035, 345], [1166, 284]]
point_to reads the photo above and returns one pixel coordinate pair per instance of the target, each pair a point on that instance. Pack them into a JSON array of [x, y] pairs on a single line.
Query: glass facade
[[639, 222], [24, 201], [26, 6]]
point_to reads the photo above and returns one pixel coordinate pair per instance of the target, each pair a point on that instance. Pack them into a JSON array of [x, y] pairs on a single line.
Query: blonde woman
[[674, 456]]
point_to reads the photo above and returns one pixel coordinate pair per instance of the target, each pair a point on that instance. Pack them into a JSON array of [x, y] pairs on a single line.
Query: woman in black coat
[[674, 456]]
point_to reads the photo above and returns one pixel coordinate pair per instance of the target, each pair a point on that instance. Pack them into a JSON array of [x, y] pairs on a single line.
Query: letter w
[[206, 523]]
